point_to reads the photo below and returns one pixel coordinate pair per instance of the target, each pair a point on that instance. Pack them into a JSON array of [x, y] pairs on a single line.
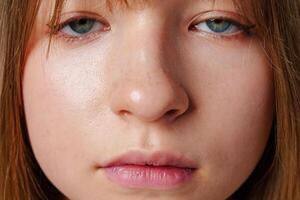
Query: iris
[[218, 25], [82, 26]]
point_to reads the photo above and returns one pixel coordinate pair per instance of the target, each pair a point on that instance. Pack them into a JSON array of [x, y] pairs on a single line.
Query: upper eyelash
[[244, 27], [55, 29]]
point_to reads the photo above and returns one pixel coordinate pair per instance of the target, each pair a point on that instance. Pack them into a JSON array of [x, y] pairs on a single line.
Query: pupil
[[218, 21], [82, 21]]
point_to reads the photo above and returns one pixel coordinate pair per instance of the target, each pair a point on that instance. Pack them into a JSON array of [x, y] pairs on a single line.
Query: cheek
[[62, 96], [232, 90]]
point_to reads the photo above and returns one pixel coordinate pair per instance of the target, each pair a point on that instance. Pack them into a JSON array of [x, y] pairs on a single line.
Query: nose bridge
[[145, 38], [144, 50], [146, 89]]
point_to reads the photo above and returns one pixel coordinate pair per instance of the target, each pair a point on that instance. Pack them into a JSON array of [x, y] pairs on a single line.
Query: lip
[[157, 170], [158, 158]]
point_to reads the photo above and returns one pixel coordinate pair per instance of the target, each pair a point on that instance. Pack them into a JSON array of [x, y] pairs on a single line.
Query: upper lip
[[158, 158]]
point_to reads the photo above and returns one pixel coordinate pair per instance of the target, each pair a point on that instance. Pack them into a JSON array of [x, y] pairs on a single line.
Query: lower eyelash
[[72, 39], [55, 31], [245, 31]]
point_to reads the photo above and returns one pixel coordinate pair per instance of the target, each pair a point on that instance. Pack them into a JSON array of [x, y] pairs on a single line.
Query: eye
[[219, 26], [81, 27]]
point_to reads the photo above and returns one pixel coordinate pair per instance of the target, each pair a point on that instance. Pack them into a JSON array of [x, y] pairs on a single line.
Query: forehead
[[131, 4], [109, 4]]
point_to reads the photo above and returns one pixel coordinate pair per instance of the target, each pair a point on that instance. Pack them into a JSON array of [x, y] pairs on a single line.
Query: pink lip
[[159, 170]]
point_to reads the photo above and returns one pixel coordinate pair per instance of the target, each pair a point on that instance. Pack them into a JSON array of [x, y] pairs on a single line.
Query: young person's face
[[160, 83]]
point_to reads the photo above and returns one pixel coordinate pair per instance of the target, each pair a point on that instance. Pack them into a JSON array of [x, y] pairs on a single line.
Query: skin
[[149, 84]]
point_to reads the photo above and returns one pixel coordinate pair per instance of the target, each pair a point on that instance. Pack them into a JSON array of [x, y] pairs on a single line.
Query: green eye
[[219, 26], [82, 26]]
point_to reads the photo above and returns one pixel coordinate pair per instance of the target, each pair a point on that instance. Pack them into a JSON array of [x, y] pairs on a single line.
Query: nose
[[146, 87], [149, 99]]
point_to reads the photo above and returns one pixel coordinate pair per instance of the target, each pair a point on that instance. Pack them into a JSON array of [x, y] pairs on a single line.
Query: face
[[167, 100]]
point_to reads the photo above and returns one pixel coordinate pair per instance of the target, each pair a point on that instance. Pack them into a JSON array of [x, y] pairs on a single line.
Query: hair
[[276, 177]]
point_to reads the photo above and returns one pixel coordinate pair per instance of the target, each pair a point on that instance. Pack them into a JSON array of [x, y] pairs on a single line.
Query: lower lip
[[142, 176]]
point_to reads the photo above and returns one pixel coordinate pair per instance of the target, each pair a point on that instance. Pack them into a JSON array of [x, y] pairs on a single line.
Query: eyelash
[[56, 30], [244, 29]]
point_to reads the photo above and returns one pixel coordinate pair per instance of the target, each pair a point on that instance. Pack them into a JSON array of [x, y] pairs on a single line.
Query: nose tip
[[150, 103]]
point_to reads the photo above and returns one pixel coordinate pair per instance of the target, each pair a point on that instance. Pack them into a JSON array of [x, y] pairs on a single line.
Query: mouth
[[159, 170]]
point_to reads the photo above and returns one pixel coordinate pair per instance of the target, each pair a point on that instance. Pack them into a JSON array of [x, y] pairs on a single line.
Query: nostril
[[171, 113], [123, 112]]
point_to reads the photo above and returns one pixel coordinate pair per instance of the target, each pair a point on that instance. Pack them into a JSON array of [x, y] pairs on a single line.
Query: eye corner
[[192, 25]]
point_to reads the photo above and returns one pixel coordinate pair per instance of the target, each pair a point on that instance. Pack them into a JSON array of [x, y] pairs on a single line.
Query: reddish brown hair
[[276, 177]]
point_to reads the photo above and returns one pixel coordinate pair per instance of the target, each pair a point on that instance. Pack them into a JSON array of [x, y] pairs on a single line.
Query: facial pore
[[163, 77]]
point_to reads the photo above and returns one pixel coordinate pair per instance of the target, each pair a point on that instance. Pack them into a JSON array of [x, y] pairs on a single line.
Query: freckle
[[135, 96], [143, 56]]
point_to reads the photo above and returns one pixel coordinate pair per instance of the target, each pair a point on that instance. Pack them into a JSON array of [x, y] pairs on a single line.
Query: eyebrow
[[111, 4]]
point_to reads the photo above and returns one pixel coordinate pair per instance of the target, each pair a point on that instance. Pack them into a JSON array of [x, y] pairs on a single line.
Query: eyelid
[[236, 19], [220, 18], [233, 16], [66, 18]]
